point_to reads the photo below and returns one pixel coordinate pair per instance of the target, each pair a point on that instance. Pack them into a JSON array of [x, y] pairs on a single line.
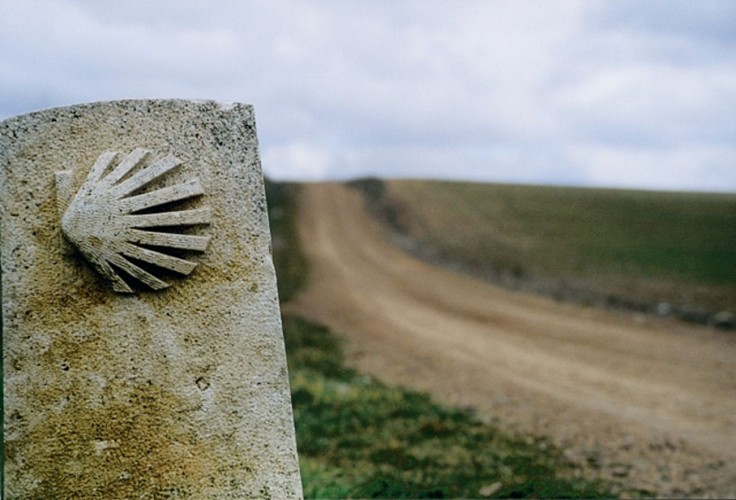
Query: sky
[[635, 94]]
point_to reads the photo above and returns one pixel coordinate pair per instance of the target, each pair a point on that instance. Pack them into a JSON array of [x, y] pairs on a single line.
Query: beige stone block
[[178, 387]]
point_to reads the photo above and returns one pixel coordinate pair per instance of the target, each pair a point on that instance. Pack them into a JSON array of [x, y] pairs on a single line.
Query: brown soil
[[647, 403]]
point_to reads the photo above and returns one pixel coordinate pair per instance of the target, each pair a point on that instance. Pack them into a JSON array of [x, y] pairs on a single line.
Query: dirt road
[[647, 403]]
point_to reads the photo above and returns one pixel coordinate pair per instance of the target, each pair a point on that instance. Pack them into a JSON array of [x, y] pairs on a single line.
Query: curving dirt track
[[649, 404]]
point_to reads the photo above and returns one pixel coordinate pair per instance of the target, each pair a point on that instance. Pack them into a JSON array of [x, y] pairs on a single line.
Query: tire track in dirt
[[647, 403]]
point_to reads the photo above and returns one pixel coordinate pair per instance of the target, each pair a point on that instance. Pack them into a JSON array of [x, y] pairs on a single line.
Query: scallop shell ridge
[[104, 220]]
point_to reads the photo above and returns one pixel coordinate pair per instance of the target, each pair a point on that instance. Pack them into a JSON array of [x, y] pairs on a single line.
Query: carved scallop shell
[[104, 220]]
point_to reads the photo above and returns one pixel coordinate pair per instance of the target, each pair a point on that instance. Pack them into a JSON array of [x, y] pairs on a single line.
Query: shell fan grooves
[[128, 234]]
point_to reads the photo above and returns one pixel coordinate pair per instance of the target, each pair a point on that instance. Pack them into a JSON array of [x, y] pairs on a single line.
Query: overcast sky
[[603, 93]]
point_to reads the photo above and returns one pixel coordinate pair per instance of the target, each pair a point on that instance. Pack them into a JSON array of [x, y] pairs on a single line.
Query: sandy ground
[[647, 403]]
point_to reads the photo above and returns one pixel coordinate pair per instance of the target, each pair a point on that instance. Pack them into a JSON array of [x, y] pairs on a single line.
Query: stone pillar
[[142, 347]]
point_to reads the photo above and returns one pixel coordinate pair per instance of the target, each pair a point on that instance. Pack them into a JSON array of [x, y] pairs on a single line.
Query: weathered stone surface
[[178, 393]]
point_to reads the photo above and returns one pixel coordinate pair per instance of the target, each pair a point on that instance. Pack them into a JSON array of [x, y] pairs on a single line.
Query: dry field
[[648, 251], [645, 402]]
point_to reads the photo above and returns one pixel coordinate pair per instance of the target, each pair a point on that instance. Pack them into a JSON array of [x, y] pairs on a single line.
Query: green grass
[[288, 258], [358, 438], [648, 246]]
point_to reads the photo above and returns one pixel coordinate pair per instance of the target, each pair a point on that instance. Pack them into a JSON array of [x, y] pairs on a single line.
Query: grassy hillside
[[617, 247], [358, 438]]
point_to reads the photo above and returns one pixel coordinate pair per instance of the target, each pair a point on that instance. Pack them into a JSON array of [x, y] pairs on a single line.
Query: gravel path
[[647, 403]]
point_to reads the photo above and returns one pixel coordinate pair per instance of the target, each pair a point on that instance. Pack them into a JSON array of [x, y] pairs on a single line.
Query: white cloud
[[654, 104], [298, 160], [709, 168], [506, 90]]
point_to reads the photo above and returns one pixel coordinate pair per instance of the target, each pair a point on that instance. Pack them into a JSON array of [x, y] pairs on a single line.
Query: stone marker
[[142, 347]]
